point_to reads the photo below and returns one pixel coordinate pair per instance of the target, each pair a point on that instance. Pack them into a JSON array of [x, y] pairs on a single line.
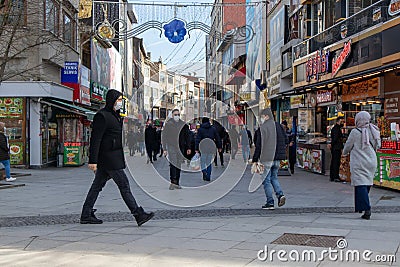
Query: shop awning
[[237, 77], [70, 108]]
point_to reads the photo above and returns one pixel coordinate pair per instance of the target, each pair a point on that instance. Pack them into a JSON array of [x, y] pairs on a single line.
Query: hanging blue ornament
[[175, 31]]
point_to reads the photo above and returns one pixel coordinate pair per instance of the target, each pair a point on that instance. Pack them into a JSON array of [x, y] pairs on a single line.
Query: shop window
[[51, 19], [12, 12], [365, 51], [69, 34]]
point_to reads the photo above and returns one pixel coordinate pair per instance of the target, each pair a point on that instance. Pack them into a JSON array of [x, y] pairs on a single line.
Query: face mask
[[118, 105], [262, 120], [176, 118]]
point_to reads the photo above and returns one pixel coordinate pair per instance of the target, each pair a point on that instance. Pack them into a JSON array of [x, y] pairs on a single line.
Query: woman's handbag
[[195, 162]]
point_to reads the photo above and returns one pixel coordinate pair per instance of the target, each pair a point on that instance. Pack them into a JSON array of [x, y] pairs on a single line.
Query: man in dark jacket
[[336, 149], [130, 140], [207, 149], [106, 159], [234, 137], [271, 142], [176, 141], [221, 132], [150, 139], [5, 153]]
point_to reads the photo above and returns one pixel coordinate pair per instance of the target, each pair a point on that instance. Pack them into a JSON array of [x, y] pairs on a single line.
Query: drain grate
[[324, 241]]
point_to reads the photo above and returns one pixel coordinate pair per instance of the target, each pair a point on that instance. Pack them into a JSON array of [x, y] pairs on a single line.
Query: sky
[[185, 57]]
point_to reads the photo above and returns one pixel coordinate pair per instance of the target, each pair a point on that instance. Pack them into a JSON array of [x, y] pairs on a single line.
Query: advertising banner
[[11, 107]]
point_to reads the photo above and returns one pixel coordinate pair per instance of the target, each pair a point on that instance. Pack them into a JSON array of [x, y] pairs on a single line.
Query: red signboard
[[324, 97], [338, 62], [318, 65]]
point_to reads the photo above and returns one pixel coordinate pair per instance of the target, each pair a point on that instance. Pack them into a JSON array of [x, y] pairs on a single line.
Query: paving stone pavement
[[38, 223]]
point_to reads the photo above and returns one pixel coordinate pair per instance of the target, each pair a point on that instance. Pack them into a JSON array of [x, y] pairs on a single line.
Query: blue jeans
[[246, 152], [205, 162], [271, 183], [142, 147], [6, 164]]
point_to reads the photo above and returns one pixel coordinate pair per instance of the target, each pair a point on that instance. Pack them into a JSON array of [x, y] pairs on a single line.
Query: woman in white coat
[[362, 144]]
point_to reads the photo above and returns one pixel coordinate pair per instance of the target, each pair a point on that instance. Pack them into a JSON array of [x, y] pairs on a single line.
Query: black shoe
[[204, 177], [222, 165], [338, 181], [366, 215], [292, 171], [268, 207], [155, 159], [91, 220], [142, 217], [281, 201]]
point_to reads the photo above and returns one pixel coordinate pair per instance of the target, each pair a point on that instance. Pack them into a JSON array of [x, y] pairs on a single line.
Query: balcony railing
[[366, 18]]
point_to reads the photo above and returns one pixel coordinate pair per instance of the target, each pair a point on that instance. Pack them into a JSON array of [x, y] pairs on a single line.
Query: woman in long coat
[[362, 144]]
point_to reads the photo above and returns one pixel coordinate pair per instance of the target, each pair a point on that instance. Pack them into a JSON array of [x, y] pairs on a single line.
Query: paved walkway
[[224, 241], [58, 191], [216, 234]]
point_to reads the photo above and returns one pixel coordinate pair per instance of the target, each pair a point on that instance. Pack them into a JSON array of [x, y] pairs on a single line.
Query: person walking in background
[[270, 134], [221, 132], [140, 139], [234, 137], [245, 142], [106, 159], [150, 139], [249, 136], [362, 144], [176, 142], [336, 147], [130, 139], [5, 153], [207, 131]]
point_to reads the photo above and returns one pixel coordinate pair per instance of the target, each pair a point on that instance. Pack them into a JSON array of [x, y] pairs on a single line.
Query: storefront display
[[73, 154], [388, 171], [311, 158], [12, 113]]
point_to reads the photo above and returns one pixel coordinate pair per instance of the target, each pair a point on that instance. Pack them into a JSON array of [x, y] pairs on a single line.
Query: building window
[[51, 16], [12, 12], [69, 30]]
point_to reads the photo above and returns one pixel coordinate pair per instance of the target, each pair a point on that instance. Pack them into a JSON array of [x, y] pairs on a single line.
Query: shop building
[[348, 68]]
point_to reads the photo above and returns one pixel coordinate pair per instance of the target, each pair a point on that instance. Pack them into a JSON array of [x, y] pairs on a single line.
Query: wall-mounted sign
[[394, 7], [391, 105], [317, 65], [11, 107], [296, 101], [98, 92], [69, 74], [324, 96], [84, 92], [361, 90], [338, 62], [376, 14]]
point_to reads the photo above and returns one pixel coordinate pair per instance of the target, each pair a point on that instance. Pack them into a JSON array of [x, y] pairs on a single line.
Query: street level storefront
[[355, 69], [30, 111]]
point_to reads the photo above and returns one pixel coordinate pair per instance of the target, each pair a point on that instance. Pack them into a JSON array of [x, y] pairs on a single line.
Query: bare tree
[[37, 37]]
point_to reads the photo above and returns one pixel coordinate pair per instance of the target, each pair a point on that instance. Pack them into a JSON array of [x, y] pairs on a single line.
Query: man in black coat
[[207, 131], [150, 139], [106, 159], [270, 141], [336, 149], [176, 142], [221, 132]]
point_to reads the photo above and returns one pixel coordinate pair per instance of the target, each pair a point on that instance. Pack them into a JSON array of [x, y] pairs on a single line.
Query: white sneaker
[[10, 179]]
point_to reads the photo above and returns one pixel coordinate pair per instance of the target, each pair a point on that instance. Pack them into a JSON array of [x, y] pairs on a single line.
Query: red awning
[[237, 77]]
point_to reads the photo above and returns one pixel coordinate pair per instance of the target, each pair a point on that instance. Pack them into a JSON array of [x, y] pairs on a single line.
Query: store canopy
[[237, 77], [35, 89], [70, 108]]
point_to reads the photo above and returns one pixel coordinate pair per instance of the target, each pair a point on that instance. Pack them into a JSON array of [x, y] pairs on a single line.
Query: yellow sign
[[123, 112], [85, 9], [245, 96], [296, 101]]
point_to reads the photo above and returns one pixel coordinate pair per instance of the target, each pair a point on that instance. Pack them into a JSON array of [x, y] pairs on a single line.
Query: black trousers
[[292, 158], [175, 161], [150, 152], [221, 158], [335, 164], [100, 180]]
